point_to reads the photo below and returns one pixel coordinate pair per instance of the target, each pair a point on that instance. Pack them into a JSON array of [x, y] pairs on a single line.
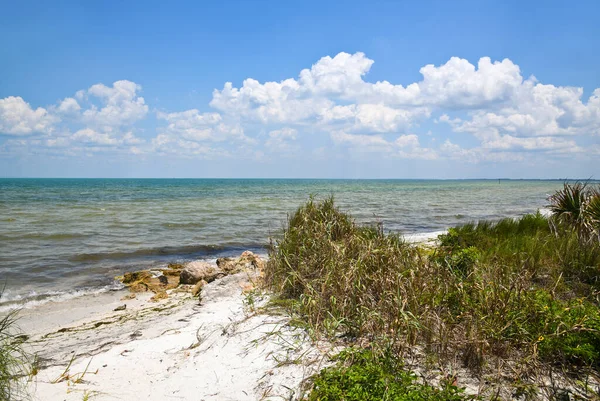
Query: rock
[[196, 271], [176, 266], [130, 278], [158, 296], [198, 287], [248, 257], [119, 308], [145, 280], [171, 272], [229, 265], [246, 260]]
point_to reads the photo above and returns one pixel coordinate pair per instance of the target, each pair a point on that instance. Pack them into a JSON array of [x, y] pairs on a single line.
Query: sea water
[[68, 237]]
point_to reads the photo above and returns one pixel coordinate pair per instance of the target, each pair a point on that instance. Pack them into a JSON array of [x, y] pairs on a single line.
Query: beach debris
[[120, 308]]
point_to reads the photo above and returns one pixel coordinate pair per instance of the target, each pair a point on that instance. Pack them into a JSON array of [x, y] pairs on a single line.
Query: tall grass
[[14, 367], [513, 292]]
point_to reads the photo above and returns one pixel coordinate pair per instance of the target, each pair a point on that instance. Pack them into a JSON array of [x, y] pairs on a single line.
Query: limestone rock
[[144, 280], [246, 260], [229, 265], [249, 257], [158, 296], [196, 271], [198, 287]]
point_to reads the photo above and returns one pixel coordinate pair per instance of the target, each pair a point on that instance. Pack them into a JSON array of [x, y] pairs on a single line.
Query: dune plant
[[14, 367], [360, 375], [512, 292]]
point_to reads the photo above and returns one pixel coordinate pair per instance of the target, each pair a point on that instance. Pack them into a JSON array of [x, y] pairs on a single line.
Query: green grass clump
[[14, 367], [338, 272], [362, 376]]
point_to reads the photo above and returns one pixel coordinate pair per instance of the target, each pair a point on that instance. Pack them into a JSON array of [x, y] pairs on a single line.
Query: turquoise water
[[62, 236]]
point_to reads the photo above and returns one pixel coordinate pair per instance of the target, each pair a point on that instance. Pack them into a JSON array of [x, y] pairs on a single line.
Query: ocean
[[63, 238]]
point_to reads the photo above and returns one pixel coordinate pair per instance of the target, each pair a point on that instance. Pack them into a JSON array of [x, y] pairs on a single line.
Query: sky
[[300, 89]]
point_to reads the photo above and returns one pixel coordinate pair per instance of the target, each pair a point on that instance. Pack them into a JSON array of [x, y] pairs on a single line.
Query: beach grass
[[14, 360], [519, 295]]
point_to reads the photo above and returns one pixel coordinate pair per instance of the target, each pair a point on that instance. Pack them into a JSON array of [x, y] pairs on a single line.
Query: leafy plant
[[363, 376], [577, 206]]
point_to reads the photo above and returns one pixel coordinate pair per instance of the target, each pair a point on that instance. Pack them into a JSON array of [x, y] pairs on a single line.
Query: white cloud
[[365, 142], [18, 118], [458, 84], [488, 102], [120, 105], [281, 140], [405, 146], [69, 106], [404, 141], [535, 110], [193, 125], [88, 135]]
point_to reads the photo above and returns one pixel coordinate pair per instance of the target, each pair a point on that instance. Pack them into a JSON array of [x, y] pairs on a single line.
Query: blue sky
[[428, 89]]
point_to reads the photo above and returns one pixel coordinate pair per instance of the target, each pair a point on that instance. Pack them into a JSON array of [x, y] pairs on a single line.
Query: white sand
[[217, 350]]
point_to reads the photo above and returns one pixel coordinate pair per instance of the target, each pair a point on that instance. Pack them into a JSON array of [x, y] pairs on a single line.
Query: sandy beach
[[222, 348]]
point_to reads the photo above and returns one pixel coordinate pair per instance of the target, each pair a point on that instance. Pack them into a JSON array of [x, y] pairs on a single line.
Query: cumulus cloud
[[69, 106], [489, 102], [192, 125], [18, 118], [120, 105]]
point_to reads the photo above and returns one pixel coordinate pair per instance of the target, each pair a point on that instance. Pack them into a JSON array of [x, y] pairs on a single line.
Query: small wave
[[423, 237], [165, 251], [45, 236], [33, 299]]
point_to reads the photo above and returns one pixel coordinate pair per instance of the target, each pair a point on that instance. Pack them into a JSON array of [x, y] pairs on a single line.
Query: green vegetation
[[14, 367], [577, 206], [362, 376], [521, 292]]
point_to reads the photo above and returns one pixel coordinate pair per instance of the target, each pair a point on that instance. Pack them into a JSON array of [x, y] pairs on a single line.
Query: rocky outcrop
[[196, 274], [146, 280], [246, 260]]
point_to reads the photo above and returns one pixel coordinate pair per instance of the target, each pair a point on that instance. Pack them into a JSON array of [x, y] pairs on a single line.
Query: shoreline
[[176, 348], [34, 301]]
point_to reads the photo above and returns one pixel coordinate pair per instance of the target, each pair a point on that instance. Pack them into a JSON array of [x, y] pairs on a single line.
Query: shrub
[[362, 376], [492, 292], [577, 207]]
